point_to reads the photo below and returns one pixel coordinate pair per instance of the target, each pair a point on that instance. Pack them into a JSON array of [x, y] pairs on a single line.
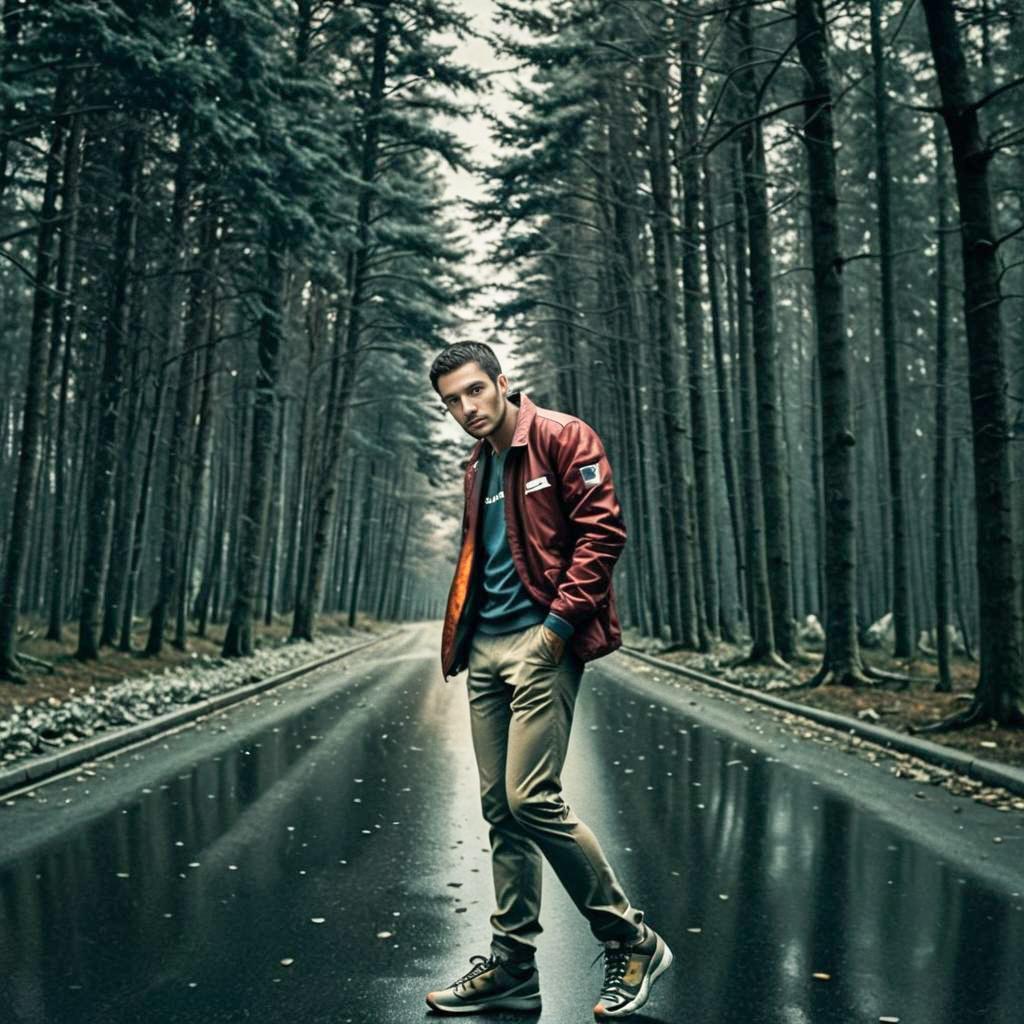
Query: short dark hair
[[462, 352]]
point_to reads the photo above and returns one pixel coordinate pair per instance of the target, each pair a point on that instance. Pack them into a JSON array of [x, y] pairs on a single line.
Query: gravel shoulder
[[894, 705], [73, 702]]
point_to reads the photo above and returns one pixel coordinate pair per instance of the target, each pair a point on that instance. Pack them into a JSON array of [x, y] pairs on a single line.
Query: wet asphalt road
[[334, 823]]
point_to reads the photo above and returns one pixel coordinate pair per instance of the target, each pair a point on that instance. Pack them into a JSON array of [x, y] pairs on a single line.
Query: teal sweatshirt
[[506, 606]]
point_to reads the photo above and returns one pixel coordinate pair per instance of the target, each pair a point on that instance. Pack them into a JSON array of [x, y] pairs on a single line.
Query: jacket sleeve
[[598, 533]]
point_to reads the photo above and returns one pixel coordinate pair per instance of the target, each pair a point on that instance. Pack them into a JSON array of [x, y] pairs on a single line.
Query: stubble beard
[[498, 422]]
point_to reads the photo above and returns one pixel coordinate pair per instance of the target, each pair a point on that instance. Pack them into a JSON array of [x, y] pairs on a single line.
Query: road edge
[[39, 769], [990, 772]]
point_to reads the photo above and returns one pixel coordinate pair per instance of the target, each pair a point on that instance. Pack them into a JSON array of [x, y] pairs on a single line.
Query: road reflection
[[786, 902], [327, 862]]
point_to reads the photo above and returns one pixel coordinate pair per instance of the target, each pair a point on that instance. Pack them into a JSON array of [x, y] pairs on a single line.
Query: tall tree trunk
[[137, 539], [238, 640], [394, 609], [65, 329], [1000, 691], [276, 519], [219, 505], [772, 462], [1015, 312], [199, 334], [350, 532], [841, 663], [956, 540], [98, 514], [83, 456], [689, 163], [759, 611], [901, 615], [309, 466], [170, 533], [360, 540], [119, 556], [725, 424], [940, 486], [302, 471]]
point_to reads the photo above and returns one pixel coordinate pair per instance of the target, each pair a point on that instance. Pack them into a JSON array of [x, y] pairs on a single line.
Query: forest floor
[[70, 676], [890, 704]]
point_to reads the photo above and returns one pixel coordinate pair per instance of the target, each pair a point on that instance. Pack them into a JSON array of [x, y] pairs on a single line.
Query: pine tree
[[1000, 691]]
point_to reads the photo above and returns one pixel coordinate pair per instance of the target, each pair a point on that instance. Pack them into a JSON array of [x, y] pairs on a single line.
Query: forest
[[772, 250]]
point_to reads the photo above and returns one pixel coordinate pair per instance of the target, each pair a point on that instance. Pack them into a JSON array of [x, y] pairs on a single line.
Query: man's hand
[[555, 644]]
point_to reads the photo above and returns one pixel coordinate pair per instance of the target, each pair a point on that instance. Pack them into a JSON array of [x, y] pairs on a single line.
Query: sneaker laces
[[616, 961], [480, 964]]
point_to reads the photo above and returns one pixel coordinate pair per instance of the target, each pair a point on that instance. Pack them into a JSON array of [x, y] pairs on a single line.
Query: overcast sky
[[464, 185]]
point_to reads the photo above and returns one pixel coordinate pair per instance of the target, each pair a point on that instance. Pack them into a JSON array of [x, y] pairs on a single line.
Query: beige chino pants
[[521, 706]]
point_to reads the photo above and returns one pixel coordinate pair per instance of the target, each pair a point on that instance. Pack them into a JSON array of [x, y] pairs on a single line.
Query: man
[[532, 601]]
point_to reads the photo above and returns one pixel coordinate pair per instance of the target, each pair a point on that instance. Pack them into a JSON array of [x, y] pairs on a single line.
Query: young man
[[530, 603]]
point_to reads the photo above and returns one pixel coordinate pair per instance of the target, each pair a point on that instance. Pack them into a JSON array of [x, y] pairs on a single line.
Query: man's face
[[476, 402]]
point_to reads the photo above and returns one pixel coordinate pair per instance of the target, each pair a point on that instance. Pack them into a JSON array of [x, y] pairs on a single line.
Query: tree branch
[[978, 104]]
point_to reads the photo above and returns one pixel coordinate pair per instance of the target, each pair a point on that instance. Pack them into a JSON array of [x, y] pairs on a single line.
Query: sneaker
[[629, 972], [492, 984]]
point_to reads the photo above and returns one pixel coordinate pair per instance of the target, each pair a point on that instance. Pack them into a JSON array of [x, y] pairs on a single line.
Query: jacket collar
[[527, 411]]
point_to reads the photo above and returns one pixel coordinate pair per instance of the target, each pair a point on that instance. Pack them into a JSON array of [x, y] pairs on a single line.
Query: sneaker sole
[[660, 967], [512, 1003]]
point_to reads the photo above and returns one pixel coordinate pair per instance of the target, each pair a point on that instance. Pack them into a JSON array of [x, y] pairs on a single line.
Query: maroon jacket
[[564, 528]]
